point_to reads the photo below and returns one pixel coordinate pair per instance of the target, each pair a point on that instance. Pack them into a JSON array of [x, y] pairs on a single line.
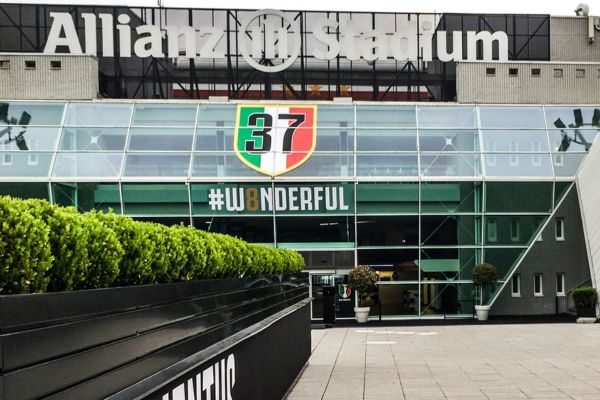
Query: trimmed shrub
[[44, 246], [136, 264], [585, 297], [104, 252], [484, 274], [25, 254]]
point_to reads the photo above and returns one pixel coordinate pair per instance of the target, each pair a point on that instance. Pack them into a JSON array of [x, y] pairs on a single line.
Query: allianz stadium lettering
[[272, 35]]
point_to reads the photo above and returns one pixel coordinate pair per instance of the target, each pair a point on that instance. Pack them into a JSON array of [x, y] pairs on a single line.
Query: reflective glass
[[450, 230], [87, 165], [232, 199], [157, 164], [516, 164], [216, 115], [511, 230], [335, 140], [29, 138], [447, 117], [449, 263], [512, 117], [322, 231], [214, 139], [250, 229], [387, 165], [388, 230], [25, 190], [335, 116], [567, 164], [328, 259], [465, 164], [94, 114], [93, 139], [451, 197], [326, 164], [156, 199], [164, 114], [447, 298], [503, 258], [27, 164], [518, 196], [22, 113], [178, 139], [386, 140], [392, 264], [386, 116], [448, 140], [86, 196], [221, 164], [385, 197], [515, 141], [572, 140], [572, 117]]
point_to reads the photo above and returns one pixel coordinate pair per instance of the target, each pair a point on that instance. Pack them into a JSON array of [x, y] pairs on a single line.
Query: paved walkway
[[545, 361]]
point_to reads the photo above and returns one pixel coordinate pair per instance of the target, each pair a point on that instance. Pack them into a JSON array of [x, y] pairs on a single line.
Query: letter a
[[62, 21]]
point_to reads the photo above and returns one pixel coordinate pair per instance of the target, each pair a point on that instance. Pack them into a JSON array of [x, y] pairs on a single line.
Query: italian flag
[[283, 137]]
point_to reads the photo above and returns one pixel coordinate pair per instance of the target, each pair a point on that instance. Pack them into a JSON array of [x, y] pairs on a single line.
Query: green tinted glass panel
[[447, 298], [450, 230], [503, 258], [384, 198], [88, 196], [453, 197], [518, 196], [560, 189], [511, 229], [388, 230], [251, 229], [156, 199], [25, 190]]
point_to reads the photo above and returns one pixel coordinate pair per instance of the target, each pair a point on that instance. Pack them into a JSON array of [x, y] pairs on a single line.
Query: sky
[[553, 7]]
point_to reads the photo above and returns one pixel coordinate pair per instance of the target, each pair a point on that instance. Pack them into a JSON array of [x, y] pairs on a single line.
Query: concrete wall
[[77, 78], [588, 182], [475, 85], [549, 257], [569, 40]]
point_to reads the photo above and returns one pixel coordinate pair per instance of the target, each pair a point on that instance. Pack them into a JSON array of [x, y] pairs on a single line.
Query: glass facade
[[421, 193]]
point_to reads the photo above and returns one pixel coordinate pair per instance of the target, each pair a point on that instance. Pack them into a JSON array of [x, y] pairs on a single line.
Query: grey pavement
[[460, 362]]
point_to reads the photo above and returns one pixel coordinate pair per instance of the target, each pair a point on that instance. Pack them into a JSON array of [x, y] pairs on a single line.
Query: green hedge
[[45, 247]]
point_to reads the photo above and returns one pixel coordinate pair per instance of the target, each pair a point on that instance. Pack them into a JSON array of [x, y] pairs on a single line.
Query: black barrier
[[328, 304], [92, 344]]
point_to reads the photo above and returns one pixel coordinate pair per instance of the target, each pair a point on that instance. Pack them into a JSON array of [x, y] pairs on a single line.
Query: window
[[537, 285], [558, 72], [32, 158], [516, 285], [513, 71], [7, 159], [492, 230], [490, 71], [491, 158], [580, 73], [536, 72], [29, 64], [55, 64], [560, 229], [513, 159], [536, 159], [558, 160], [4, 64], [514, 230], [560, 284]]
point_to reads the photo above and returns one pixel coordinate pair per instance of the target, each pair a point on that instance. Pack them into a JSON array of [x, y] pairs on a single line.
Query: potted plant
[[483, 275], [362, 279], [585, 301]]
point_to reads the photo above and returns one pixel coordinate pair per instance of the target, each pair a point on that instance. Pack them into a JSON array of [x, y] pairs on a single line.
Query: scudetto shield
[[275, 139]]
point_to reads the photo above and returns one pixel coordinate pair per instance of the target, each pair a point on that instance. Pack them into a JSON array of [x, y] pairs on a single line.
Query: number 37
[[264, 133]]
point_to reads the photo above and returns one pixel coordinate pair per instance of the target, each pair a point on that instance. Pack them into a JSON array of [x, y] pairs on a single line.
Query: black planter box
[[586, 312], [96, 343]]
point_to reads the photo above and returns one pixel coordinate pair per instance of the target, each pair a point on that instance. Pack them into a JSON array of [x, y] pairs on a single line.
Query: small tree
[[484, 274], [585, 297], [362, 279]]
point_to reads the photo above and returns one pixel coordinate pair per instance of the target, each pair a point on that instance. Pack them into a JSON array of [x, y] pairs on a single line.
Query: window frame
[[560, 278], [559, 229], [516, 278], [539, 293]]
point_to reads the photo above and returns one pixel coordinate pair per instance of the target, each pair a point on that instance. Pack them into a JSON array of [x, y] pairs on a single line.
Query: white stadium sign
[[273, 36]]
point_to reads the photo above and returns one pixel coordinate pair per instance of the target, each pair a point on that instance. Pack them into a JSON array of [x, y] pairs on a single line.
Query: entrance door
[[317, 281]]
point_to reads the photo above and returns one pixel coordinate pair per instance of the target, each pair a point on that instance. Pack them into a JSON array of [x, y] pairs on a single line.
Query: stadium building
[[418, 144]]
